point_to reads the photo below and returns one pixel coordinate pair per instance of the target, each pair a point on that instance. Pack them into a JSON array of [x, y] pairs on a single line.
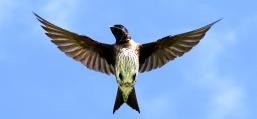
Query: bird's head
[[120, 33]]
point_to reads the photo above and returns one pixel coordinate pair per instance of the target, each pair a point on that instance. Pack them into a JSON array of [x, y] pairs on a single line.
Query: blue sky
[[215, 80]]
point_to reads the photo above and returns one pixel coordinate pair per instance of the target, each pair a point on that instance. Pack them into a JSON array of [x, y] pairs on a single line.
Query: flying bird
[[125, 58]]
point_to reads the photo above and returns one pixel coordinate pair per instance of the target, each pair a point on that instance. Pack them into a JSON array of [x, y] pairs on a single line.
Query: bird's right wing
[[94, 55], [158, 53]]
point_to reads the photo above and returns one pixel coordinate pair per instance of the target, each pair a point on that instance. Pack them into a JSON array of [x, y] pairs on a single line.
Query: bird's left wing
[[158, 53], [94, 55]]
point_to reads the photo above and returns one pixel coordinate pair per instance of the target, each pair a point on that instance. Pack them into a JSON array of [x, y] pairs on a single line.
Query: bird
[[124, 59]]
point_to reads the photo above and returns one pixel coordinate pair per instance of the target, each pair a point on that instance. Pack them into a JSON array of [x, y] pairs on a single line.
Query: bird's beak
[[112, 28], [115, 29]]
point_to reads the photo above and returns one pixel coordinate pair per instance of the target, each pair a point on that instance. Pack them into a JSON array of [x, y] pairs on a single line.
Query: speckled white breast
[[127, 63]]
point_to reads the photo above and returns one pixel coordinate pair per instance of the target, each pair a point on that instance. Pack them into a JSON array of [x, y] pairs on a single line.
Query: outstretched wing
[[94, 55], [158, 53]]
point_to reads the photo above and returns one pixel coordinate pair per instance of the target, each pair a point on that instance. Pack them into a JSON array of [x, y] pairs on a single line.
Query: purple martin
[[125, 58]]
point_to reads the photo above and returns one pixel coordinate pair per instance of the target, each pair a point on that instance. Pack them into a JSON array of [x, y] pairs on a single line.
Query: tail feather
[[132, 100], [119, 101]]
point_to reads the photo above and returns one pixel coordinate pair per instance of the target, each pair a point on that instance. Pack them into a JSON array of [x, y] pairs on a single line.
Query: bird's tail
[[132, 100]]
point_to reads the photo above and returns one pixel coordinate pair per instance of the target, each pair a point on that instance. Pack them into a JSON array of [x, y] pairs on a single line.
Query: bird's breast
[[127, 61]]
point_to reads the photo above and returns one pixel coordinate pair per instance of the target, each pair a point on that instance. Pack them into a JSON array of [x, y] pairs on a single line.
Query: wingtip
[[38, 17], [36, 14], [216, 21]]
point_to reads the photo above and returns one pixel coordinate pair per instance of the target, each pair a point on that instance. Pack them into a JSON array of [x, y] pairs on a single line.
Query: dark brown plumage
[[125, 55]]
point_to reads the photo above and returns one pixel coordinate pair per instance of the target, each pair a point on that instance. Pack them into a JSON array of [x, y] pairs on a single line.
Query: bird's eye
[[134, 77], [120, 76]]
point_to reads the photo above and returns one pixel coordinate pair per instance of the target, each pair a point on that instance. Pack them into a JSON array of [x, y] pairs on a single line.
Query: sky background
[[217, 79]]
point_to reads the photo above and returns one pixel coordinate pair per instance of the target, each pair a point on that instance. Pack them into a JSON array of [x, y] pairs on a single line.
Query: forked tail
[[132, 100]]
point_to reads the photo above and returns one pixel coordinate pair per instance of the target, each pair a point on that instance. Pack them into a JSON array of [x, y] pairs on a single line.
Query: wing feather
[[158, 53], [94, 55]]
